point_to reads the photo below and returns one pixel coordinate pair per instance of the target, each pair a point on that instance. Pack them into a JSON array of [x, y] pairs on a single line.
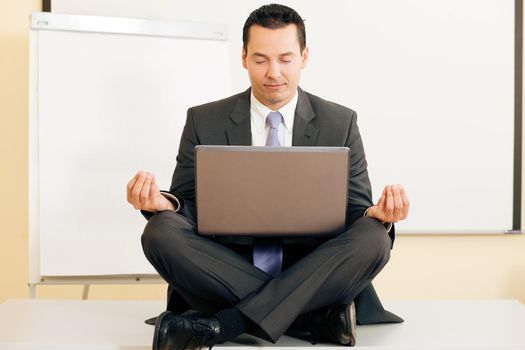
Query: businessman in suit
[[218, 286]]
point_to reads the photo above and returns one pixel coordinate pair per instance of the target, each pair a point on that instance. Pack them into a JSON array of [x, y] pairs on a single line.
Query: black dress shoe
[[179, 332], [153, 320], [334, 325]]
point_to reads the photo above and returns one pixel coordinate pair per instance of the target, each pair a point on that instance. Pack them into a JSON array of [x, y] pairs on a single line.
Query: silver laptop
[[271, 191]]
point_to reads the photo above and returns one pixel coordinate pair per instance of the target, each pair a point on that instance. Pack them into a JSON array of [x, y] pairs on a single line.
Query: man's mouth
[[274, 85]]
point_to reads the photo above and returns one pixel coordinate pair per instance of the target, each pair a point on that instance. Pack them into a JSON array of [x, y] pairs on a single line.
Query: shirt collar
[[287, 111]]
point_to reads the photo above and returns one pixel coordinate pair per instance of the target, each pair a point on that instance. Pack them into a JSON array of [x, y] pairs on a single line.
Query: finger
[[153, 187], [398, 203], [389, 204], [406, 202], [154, 181], [153, 191], [381, 202], [130, 185], [144, 193], [137, 188]]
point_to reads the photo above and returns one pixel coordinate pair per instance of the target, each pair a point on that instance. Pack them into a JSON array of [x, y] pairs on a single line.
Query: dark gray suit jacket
[[317, 122]]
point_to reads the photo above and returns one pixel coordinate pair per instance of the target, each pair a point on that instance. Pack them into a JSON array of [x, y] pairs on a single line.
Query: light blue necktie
[[268, 252], [274, 119]]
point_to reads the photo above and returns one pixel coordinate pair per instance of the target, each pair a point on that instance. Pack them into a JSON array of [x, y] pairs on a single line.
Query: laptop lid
[[271, 191]]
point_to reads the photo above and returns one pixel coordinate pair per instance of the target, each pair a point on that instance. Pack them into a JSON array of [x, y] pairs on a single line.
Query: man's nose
[[274, 70]]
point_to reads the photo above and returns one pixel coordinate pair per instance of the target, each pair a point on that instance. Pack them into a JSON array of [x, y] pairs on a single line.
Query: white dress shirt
[[261, 130]]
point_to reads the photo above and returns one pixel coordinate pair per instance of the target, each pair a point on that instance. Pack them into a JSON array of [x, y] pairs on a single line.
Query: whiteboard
[[109, 97], [432, 82]]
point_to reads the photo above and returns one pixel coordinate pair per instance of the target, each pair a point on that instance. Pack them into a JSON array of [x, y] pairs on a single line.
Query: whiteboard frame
[[132, 26], [98, 24], [517, 224]]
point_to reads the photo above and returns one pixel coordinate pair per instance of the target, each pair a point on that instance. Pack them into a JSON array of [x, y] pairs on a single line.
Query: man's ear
[[244, 63], [304, 57]]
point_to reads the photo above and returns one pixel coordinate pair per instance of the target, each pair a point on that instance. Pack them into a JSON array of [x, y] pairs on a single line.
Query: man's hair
[[274, 16]]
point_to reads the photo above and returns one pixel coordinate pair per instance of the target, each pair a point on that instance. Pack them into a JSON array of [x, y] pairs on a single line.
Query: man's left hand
[[392, 206]]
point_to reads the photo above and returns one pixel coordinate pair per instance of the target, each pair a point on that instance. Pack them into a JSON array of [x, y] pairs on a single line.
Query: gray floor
[[103, 325]]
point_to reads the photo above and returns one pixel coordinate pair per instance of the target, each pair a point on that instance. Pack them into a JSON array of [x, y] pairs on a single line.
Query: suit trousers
[[211, 276]]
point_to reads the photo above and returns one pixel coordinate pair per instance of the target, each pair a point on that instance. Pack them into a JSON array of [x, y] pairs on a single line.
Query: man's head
[[274, 52]]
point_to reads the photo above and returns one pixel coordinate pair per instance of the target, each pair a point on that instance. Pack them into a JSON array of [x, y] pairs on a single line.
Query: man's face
[[274, 61]]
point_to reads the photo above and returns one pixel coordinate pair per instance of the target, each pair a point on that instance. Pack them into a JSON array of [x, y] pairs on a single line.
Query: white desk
[[41, 324]]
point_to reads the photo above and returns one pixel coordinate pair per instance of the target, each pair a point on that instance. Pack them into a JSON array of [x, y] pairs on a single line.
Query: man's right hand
[[144, 194]]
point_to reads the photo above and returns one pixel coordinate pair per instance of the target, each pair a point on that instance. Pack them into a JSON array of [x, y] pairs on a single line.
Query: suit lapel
[[304, 132], [239, 133]]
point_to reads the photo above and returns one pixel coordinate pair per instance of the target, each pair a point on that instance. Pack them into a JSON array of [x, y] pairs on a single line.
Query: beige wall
[[13, 145], [421, 267]]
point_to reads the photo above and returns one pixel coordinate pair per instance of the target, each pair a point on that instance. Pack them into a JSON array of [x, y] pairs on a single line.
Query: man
[[321, 279]]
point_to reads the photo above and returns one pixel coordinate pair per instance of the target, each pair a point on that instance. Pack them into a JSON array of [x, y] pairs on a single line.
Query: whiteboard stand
[[153, 71], [87, 281]]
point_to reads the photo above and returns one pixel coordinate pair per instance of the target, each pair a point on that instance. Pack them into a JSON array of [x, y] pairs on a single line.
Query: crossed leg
[[212, 277]]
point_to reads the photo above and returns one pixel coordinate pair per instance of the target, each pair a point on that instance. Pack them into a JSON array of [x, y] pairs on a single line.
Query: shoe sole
[[350, 318], [347, 337], [155, 345]]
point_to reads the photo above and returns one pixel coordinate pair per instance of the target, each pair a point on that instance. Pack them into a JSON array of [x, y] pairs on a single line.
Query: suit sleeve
[[359, 187], [183, 180]]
